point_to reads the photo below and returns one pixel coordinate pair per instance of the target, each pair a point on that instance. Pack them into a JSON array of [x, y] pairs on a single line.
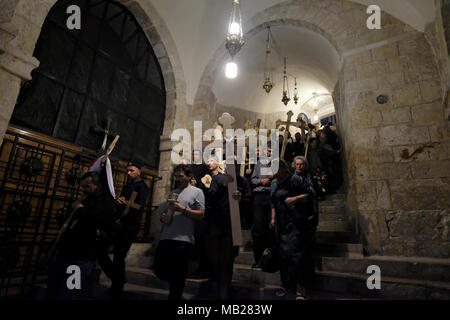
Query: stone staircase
[[340, 269]]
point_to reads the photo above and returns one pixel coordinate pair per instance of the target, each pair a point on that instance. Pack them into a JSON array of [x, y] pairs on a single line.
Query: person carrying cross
[[130, 205]]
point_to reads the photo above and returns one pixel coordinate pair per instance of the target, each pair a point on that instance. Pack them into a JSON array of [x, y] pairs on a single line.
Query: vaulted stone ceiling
[[198, 28], [310, 58]]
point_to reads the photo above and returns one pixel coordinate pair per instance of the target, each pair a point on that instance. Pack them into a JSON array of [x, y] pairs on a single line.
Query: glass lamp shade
[[235, 36]]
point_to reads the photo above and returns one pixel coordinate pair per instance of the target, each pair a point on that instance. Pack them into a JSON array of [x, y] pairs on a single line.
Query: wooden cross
[[299, 124], [303, 126], [257, 126], [106, 131], [131, 204], [307, 141], [227, 120], [288, 123], [247, 126]]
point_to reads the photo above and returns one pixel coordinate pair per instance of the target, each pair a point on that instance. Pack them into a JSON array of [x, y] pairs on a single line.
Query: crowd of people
[[281, 210]]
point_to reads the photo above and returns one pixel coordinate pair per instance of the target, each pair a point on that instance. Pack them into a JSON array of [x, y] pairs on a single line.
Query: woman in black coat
[[295, 219]]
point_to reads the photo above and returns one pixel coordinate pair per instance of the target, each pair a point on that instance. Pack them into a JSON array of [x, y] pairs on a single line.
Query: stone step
[[332, 217], [247, 274], [333, 200], [335, 196], [245, 257], [429, 269], [195, 289], [324, 236], [391, 288], [333, 226], [254, 284], [139, 261], [331, 210], [350, 250]]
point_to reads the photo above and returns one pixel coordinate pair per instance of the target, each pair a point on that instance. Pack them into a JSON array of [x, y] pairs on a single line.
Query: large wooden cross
[[299, 124], [307, 141], [131, 204], [227, 120], [303, 125]]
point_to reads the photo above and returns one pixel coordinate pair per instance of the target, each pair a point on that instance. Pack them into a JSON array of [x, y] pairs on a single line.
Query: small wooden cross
[[288, 124], [227, 120], [131, 204], [106, 131]]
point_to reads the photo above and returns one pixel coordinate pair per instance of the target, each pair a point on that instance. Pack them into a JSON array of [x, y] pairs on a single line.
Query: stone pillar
[[20, 25]]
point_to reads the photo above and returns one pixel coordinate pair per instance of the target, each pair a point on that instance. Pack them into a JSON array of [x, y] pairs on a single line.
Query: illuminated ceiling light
[[235, 36], [231, 70]]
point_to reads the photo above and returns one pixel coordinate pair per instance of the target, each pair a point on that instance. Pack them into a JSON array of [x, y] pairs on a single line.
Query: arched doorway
[[102, 77]]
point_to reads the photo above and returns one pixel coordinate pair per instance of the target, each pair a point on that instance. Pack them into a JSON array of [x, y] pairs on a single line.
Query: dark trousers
[[115, 269], [200, 251], [297, 268], [221, 257], [171, 265], [262, 212]]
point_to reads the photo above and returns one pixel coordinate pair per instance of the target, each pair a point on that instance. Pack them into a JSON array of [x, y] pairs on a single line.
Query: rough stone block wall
[[398, 151]]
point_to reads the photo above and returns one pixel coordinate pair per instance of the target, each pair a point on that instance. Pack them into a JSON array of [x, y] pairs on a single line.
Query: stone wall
[[398, 151]]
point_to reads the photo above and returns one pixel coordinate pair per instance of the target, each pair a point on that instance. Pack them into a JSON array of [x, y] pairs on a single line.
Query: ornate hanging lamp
[[295, 92], [286, 98], [235, 36], [268, 83]]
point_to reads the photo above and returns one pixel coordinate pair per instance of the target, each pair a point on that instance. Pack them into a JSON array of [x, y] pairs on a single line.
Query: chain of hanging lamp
[[286, 96], [268, 82]]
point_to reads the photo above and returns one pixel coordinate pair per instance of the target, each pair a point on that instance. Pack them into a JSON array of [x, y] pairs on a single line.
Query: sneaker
[[281, 292], [301, 297]]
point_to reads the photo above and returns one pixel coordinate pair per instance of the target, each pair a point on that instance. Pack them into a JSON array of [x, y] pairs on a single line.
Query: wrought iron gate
[[38, 184]]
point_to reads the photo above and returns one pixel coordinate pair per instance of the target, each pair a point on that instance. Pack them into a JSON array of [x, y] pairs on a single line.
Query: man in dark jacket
[[128, 228], [76, 252]]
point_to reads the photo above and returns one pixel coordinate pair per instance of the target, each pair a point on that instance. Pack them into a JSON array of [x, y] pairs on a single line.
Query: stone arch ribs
[[20, 26]]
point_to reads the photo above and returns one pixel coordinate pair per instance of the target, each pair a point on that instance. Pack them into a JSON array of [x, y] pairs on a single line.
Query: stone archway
[[20, 26], [390, 191]]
